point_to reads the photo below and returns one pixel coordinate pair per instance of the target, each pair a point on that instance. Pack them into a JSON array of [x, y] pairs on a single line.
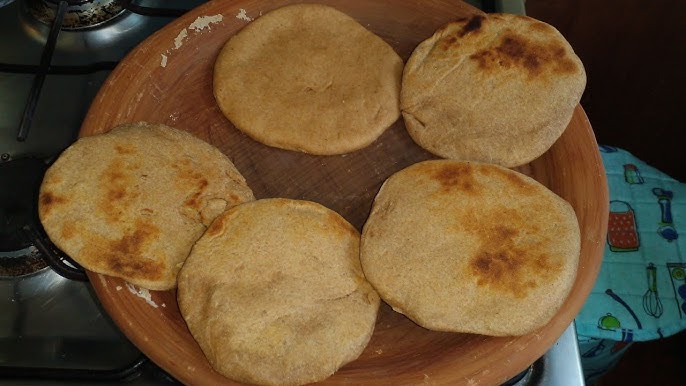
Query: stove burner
[[80, 14], [20, 181], [25, 262]]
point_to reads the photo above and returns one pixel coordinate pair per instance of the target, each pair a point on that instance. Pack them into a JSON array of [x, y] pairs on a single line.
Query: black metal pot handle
[[62, 264]]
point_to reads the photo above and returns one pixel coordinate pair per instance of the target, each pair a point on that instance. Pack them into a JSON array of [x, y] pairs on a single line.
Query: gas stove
[[54, 56], [52, 328]]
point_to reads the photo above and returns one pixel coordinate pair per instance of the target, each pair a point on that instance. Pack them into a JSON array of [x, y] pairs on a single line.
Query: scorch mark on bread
[[514, 51]]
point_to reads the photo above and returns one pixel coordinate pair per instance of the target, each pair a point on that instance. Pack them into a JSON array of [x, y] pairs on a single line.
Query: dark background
[[634, 53]]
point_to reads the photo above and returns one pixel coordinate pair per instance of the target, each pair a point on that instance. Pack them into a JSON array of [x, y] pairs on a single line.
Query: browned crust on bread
[[493, 88], [457, 245], [131, 202]]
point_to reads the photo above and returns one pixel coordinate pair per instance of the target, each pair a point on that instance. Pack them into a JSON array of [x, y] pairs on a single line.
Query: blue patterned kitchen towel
[[640, 293]]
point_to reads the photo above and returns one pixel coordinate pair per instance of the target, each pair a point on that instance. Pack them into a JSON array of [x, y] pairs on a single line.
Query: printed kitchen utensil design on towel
[[640, 293], [677, 274], [632, 175], [652, 305], [666, 228], [622, 232]]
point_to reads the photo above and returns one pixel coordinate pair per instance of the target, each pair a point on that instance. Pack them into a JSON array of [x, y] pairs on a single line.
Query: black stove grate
[[58, 70], [41, 73], [44, 68], [74, 374]]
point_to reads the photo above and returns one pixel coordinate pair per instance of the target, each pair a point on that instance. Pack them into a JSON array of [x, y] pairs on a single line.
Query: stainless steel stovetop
[[52, 328]]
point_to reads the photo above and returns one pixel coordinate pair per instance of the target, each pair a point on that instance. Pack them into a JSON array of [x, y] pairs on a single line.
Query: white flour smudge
[[199, 24], [203, 22], [141, 293], [178, 41], [243, 15]]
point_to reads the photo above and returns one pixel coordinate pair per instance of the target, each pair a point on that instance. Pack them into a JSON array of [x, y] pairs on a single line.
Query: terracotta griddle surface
[[164, 82]]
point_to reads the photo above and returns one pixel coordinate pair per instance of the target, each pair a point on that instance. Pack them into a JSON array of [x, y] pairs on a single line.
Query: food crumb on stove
[[163, 63], [243, 15], [164, 305], [119, 288], [379, 352]]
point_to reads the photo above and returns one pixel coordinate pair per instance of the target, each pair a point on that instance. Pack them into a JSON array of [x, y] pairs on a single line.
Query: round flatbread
[[274, 293], [309, 78], [494, 88], [470, 247], [131, 202]]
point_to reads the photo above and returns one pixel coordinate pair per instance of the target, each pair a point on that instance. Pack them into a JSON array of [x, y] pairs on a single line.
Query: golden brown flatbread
[[309, 78], [470, 247], [274, 293], [131, 202], [495, 88]]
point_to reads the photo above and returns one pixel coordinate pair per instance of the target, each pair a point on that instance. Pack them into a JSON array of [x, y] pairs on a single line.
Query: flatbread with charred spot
[[274, 293], [131, 202], [470, 247], [494, 88]]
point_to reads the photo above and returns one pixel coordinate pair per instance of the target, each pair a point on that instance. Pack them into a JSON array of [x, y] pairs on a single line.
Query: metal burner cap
[[21, 263], [80, 14]]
